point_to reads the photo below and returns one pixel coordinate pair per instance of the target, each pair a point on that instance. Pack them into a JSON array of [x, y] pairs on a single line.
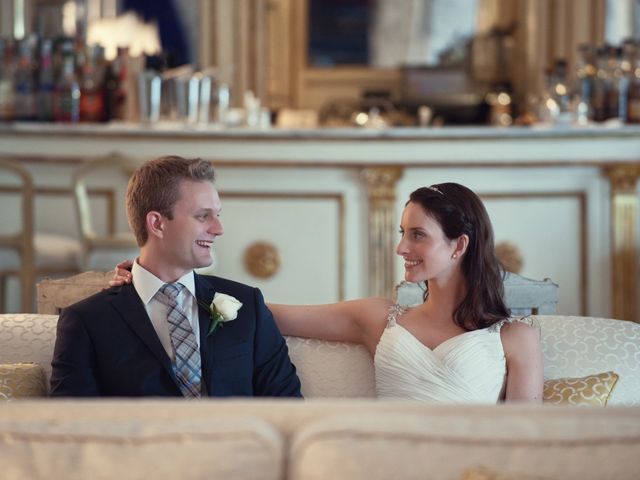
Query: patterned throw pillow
[[483, 473], [590, 390], [19, 380]]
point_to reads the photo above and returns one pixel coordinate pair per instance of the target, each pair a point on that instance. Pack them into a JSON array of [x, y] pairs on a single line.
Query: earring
[[454, 256]]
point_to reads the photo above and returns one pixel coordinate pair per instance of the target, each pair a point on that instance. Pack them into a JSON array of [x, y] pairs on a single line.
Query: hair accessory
[[436, 189]]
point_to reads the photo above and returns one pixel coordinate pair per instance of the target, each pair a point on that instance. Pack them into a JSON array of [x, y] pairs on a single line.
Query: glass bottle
[[122, 68], [626, 67], [46, 83], [110, 82], [633, 90], [25, 81], [500, 105], [586, 75], [91, 87], [66, 103], [614, 76], [559, 91], [115, 79], [7, 93], [599, 91]]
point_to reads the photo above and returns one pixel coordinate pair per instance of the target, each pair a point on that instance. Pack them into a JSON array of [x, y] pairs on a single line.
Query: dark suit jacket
[[107, 346]]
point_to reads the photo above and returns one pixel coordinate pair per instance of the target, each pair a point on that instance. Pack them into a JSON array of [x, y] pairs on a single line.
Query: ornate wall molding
[[381, 183]]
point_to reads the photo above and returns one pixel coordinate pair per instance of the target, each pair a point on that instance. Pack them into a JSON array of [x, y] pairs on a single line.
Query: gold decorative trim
[[381, 183], [510, 256], [625, 208], [337, 197], [262, 259]]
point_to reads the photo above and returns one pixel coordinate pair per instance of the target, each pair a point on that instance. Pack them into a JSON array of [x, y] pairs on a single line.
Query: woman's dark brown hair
[[459, 211]]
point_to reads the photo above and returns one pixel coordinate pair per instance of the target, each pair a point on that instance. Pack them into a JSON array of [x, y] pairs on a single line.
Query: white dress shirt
[[147, 285]]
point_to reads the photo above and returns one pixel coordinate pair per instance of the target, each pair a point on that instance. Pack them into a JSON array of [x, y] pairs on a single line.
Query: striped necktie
[[187, 366]]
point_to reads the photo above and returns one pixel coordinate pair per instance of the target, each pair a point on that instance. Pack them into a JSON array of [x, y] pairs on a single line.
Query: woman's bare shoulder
[[519, 336]]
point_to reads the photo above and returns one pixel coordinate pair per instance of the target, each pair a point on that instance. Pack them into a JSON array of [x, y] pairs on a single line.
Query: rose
[[224, 308]]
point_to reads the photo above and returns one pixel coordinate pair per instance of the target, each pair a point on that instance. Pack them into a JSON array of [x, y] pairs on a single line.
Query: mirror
[[389, 33]]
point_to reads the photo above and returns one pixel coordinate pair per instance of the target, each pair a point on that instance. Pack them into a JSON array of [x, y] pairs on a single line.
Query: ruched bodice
[[467, 368]]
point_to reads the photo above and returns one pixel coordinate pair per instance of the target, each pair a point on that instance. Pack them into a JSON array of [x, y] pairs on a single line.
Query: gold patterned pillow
[[590, 390], [19, 380], [483, 473]]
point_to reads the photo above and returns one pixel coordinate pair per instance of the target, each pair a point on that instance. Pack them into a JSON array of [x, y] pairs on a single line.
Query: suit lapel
[[204, 293], [128, 304]]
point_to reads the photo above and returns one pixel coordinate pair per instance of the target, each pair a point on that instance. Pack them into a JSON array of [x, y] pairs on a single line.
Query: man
[[158, 335]]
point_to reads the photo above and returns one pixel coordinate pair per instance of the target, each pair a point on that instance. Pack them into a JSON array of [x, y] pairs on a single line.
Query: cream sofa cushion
[[332, 369], [26, 337], [581, 346], [444, 442], [572, 347], [190, 448]]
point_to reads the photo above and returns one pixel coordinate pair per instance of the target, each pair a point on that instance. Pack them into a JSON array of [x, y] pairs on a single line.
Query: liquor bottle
[[66, 103], [25, 81], [115, 88], [123, 100], [110, 83], [614, 76], [7, 93], [586, 74], [633, 90], [499, 100], [46, 83], [559, 87], [91, 87], [600, 84]]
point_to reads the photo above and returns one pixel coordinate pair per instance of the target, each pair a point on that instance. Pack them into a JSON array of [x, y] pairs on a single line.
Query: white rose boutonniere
[[224, 308]]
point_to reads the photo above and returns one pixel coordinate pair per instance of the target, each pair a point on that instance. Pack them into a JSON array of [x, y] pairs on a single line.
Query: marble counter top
[[164, 129], [446, 146]]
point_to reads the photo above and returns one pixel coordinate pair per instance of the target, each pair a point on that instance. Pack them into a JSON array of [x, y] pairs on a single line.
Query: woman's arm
[[525, 376], [358, 321]]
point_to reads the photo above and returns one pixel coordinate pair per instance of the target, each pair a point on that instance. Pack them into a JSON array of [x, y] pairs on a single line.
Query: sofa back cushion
[[581, 346], [332, 369], [444, 442], [188, 447], [26, 337], [572, 347]]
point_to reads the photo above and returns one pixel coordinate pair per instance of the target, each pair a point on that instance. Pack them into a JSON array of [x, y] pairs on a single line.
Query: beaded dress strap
[[395, 311], [527, 319]]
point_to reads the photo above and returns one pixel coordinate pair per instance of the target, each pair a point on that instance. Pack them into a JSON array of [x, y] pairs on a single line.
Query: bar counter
[[450, 146]]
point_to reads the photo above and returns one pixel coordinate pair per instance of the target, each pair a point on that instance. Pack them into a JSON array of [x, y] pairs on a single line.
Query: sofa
[[339, 431]]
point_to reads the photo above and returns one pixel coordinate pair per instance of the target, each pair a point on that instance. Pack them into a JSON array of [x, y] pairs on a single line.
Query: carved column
[[381, 193], [624, 243]]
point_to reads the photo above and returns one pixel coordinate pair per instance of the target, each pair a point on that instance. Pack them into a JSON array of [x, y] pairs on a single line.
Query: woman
[[456, 347]]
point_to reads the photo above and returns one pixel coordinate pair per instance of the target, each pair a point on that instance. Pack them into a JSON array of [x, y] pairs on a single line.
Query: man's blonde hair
[[155, 186]]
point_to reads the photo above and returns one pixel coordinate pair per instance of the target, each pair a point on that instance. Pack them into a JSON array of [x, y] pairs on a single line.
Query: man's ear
[[155, 224], [462, 242]]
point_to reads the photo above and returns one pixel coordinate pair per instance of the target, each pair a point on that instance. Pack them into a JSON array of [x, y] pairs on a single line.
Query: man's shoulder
[[96, 301], [224, 284]]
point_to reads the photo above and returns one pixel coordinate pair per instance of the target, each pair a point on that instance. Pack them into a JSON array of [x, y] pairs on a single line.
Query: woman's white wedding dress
[[467, 368]]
